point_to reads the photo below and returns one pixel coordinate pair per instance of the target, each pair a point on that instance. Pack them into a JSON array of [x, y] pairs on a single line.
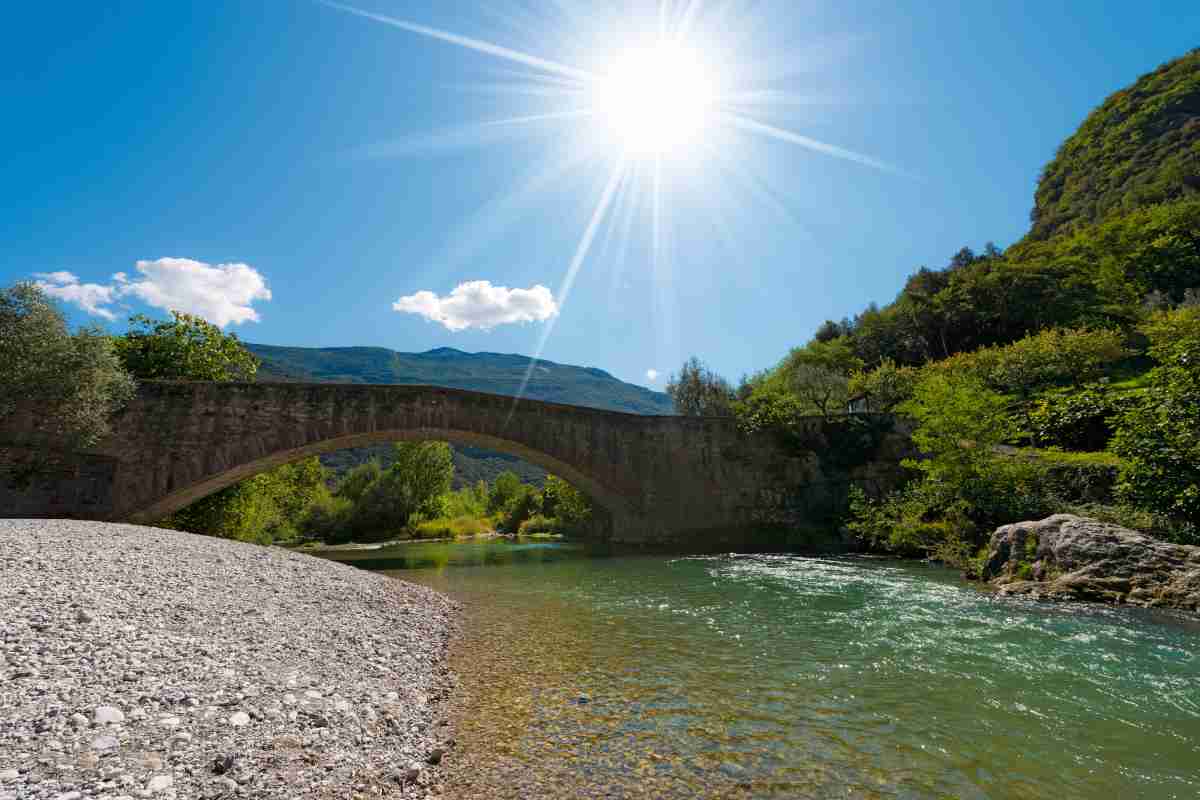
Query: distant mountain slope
[[482, 372]]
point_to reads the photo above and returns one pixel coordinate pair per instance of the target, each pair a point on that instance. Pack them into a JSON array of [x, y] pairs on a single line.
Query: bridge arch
[[608, 501], [662, 480]]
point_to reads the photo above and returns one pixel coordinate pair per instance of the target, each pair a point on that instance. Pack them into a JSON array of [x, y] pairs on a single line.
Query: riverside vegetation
[[1059, 375]]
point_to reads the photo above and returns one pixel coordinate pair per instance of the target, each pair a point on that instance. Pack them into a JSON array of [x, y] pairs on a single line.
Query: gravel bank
[[141, 662]]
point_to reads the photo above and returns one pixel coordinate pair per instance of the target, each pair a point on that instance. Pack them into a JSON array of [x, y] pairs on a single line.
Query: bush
[[564, 502], [1081, 418], [1158, 438], [329, 519], [539, 524], [886, 386], [504, 490], [526, 504]]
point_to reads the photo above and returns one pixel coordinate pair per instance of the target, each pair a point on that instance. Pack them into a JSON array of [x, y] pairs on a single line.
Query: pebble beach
[[137, 662]]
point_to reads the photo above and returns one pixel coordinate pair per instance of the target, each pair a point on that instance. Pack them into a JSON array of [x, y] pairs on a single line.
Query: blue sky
[[293, 170]]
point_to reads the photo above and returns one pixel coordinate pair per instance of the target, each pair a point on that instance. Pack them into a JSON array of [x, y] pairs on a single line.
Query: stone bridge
[[659, 479]]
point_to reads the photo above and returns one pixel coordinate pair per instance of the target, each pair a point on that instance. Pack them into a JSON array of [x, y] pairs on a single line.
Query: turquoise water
[[783, 676]]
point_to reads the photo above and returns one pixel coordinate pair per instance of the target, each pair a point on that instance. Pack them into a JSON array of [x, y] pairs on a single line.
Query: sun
[[657, 100], [654, 94]]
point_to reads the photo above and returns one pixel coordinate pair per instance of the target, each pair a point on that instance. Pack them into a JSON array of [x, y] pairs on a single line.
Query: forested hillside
[[1059, 374], [1141, 147]]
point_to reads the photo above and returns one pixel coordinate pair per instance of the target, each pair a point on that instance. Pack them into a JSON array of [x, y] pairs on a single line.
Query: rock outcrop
[[1065, 557]]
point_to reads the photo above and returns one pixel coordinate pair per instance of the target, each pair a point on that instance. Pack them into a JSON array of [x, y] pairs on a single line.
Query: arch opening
[[609, 504]]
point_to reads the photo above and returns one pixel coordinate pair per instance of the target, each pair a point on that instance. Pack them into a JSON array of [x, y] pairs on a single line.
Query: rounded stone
[[102, 743], [108, 715], [160, 783], [239, 718]]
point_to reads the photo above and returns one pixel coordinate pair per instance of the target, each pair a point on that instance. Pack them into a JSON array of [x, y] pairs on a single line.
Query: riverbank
[[144, 662]]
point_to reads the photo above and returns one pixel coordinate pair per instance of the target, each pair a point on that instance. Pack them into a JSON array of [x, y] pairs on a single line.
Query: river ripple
[[782, 676]]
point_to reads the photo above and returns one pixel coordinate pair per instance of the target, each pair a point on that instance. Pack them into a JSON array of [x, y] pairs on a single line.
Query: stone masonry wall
[[662, 480]]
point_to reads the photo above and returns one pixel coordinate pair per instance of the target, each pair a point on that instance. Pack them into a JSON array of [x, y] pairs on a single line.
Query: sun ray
[[687, 19], [475, 134], [652, 87], [478, 45], [754, 126], [502, 211], [581, 252]]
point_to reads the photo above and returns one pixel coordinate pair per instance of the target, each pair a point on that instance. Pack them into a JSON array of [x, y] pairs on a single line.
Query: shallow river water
[[784, 676]]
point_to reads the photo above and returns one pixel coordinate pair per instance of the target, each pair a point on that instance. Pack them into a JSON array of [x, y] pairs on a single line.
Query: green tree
[[564, 502], [697, 391], [415, 483], [506, 487], [886, 386], [1159, 438], [189, 348], [186, 348], [818, 374], [268, 507], [353, 486], [527, 503], [963, 487], [71, 384]]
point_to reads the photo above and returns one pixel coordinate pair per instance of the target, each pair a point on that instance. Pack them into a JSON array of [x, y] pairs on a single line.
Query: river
[[784, 676]]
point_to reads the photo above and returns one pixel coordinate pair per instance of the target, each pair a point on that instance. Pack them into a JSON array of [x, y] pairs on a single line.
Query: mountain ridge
[[497, 373]]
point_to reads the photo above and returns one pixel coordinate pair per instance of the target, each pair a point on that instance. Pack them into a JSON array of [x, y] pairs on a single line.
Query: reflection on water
[[780, 676]]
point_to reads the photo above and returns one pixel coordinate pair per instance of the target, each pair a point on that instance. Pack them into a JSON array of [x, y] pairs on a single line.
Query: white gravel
[[140, 662]]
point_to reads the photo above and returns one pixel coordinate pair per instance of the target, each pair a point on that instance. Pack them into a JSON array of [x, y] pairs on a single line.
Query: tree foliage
[[272, 506], [697, 391], [186, 348], [416, 483], [72, 384], [1159, 438]]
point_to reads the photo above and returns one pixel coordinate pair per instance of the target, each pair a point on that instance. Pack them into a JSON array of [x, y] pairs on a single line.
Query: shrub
[[526, 504], [886, 386], [1081, 418], [504, 490], [538, 524], [1158, 438]]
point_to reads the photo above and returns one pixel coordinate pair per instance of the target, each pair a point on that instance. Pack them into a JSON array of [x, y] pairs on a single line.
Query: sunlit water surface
[[783, 676]]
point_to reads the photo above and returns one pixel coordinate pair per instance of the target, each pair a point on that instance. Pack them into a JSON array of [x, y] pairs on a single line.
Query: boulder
[[1065, 557]]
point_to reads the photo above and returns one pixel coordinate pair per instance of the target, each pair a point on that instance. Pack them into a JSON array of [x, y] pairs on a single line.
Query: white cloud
[[478, 304], [652, 375], [91, 297], [221, 294]]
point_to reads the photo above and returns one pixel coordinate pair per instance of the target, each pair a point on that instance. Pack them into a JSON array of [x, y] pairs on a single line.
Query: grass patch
[[1068, 458], [456, 528]]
